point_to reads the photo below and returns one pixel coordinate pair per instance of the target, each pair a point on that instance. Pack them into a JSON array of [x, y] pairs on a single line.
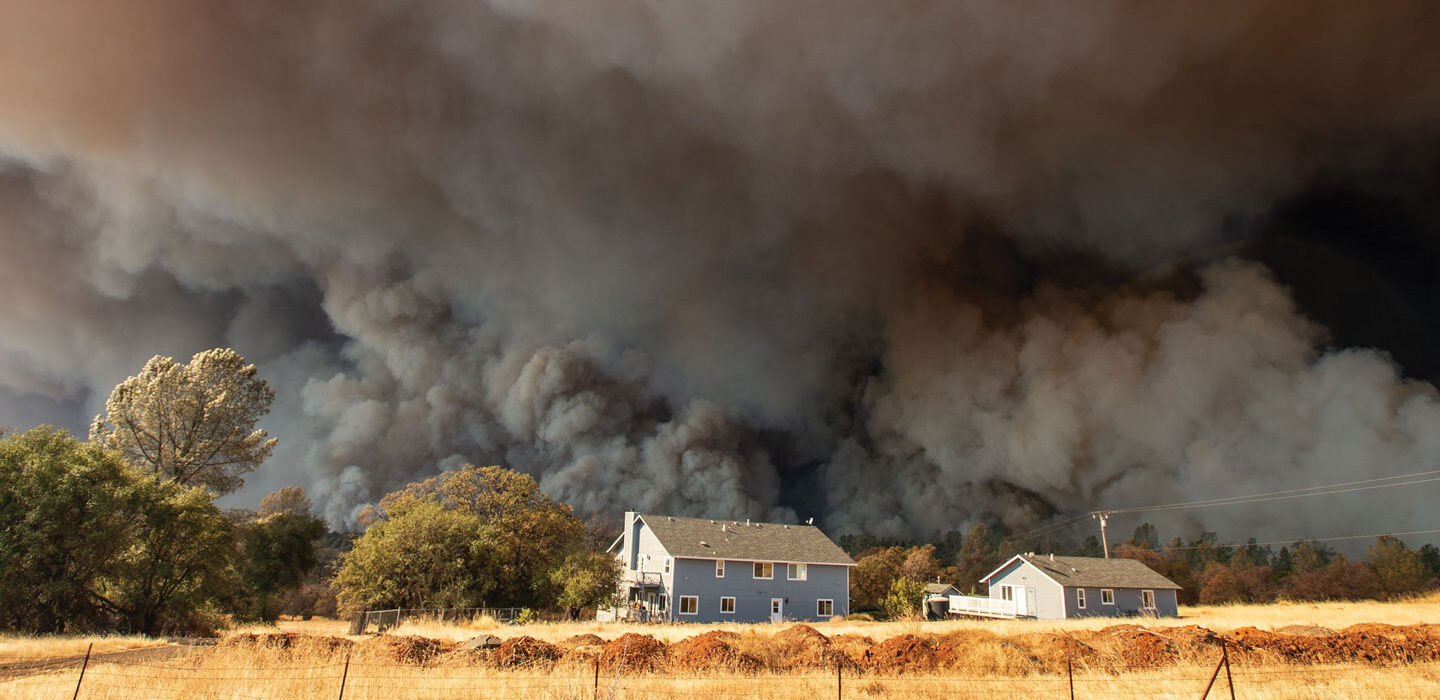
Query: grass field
[[315, 668]]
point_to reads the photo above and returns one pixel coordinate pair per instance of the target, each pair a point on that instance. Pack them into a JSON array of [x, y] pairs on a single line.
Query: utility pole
[[1102, 516]]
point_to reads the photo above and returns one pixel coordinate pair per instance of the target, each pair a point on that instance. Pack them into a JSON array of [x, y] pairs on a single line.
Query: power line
[[1325, 490], [1287, 494], [1298, 539]]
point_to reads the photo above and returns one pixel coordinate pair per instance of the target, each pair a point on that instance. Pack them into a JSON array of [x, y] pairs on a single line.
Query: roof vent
[[703, 543], [747, 521], [722, 527], [1052, 556]]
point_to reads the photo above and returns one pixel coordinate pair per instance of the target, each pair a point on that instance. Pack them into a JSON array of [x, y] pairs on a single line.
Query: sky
[[900, 268]]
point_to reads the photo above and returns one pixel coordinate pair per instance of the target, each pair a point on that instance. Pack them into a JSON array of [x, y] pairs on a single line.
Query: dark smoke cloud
[[903, 267]]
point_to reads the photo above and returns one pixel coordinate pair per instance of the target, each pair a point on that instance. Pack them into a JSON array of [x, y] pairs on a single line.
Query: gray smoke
[[675, 255]]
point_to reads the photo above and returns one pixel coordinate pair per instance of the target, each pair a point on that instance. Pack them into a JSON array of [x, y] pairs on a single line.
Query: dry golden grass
[[1220, 618], [241, 673], [23, 648], [999, 666]]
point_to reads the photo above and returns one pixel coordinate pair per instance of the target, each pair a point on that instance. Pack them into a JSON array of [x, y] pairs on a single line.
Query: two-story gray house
[[704, 570], [1050, 587]]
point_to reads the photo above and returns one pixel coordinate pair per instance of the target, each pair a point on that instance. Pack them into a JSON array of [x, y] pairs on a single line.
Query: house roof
[[938, 587], [702, 538], [1093, 572]]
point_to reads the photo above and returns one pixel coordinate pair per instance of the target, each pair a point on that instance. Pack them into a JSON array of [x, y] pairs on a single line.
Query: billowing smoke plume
[[902, 266]]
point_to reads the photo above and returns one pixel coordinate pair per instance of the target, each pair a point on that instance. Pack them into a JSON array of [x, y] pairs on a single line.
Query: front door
[[1030, 600], [1018, 595], [777, 609]]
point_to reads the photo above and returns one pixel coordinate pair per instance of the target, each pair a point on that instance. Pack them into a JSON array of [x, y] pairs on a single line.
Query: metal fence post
[[343, 676], [839, 683], [1225, 658], [1070, 671], [83, 666], [595, 694]]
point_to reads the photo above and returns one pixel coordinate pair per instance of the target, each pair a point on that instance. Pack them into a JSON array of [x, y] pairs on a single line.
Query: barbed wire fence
[[383, 620], [343, 676]]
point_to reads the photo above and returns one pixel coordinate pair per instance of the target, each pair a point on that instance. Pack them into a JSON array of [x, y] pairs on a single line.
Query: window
[[720, 568], [795, 572], [1080, 597], [727, 605], [764, 570], [1107, 596], [1147, 600], [824, 608], [664, 602], [1007, 593], [667, 565], [689, 604]]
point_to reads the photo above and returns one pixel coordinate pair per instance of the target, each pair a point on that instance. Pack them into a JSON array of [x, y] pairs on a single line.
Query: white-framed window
[[1107, 596], [664, 602], [719, 568], [764, 569], [1080, 598], [689, 604], [796, 572], [824, 607], [667, 565], [1147, 600], [1007, 593], [727, 605]]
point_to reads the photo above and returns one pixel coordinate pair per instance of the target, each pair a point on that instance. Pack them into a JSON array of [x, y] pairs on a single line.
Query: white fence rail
[[982, 607]]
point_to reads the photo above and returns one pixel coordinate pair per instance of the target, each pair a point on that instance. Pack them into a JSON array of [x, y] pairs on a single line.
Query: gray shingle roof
[[1093, 572], [938, 587], [703, 538]]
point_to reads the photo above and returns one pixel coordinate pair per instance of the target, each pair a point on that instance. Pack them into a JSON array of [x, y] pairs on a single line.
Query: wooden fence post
[[344, 675], [83, 666]]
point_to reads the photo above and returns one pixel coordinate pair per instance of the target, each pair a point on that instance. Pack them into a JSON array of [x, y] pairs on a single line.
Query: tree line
[[121, 531], [890, 575]]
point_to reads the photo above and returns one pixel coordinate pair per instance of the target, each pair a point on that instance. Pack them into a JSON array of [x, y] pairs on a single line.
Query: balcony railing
[[982, 607], [643, 578]]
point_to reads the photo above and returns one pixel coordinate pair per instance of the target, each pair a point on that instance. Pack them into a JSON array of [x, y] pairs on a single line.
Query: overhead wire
[[1286, 494]]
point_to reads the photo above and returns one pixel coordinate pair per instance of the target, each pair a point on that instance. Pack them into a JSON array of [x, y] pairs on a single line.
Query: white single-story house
[[1051, 587], [712, 570]]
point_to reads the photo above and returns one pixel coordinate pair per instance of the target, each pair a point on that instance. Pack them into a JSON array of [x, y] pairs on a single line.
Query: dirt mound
[[582, 640], [632, 653], [722, 634], [981, 650], [802, 645], [287, 642], [404, 649], [1306, 630], [853, 646], [525, 651], [800, 635], [706, 653], [1134, 647], [1051, 650], [1191, 640], [906, 652]]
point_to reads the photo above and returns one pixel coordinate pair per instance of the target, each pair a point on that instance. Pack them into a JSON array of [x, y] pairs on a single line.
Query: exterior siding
[[1127, 603], [1049, 596], [641, 551], [752, 597]]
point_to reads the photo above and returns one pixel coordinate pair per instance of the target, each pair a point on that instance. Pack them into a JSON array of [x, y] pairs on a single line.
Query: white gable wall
[[1049, 595]]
